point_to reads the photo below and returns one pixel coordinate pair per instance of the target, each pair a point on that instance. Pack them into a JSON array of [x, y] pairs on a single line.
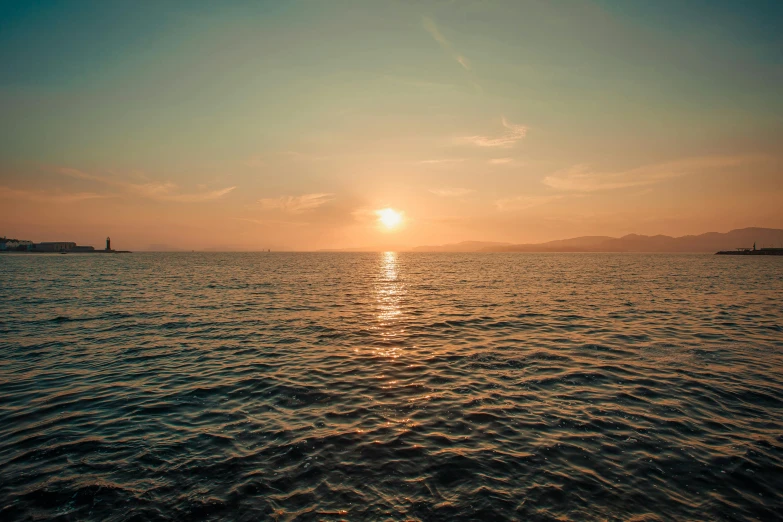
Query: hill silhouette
[[709, 242]]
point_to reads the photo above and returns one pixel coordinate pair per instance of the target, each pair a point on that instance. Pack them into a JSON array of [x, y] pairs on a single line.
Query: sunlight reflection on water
[[389, 292]]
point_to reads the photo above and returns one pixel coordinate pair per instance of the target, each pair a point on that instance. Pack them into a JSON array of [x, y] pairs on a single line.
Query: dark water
[[391, 387]]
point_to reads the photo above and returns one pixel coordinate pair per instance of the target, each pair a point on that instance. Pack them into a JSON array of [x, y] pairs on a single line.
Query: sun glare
[[389, 218]]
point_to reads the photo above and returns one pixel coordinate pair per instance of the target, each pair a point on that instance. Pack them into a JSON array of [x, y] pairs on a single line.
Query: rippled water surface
[[391, 387]]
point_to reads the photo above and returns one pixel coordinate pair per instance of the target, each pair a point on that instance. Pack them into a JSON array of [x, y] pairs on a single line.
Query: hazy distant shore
[[709, 242]]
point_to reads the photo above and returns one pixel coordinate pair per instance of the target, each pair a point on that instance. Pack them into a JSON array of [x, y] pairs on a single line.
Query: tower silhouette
[[108, 243]]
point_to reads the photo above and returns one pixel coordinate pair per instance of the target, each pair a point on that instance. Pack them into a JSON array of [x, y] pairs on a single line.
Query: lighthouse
[[108, 244]]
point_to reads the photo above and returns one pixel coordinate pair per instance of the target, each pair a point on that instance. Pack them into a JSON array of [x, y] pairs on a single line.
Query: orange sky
[[289, 127]]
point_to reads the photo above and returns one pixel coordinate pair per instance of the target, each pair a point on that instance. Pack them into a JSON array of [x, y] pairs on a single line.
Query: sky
[[297, 125]]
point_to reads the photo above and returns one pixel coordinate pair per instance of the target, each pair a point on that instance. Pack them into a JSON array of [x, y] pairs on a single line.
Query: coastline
[[89, 252]]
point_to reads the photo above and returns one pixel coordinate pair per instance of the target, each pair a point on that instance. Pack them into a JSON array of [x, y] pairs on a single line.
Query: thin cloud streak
[[431, 28], [444, 161], [580, 178], [155, 190], [195, 198], [513, 134], [296, 204], [57, 197]]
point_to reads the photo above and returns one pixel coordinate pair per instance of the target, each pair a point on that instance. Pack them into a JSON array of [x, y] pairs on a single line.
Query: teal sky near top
[[289, 124]]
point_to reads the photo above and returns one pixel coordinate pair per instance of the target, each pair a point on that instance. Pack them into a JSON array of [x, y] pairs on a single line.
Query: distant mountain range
[[709, 242]]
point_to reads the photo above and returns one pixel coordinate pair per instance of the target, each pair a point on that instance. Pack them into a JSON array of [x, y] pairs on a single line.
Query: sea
[[391, 386]]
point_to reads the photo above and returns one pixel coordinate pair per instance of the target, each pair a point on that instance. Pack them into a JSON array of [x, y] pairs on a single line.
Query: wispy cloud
[[156, 190], [35, 195], [451, 192], [581, 178], [194, 198], [431, 28], [463, 62], [500, 161], [525, 202], [444, 161], [513, 134], [296, 204]]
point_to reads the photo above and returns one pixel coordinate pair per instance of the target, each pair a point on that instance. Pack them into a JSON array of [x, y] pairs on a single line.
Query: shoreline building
[[14, 244], [60, 246], [54, 247]]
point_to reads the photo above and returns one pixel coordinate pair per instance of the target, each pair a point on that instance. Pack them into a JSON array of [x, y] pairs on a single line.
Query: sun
[[389, 218]]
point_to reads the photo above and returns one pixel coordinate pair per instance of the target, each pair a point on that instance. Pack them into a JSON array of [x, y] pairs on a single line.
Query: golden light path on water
[[389, 292], [390, 342]]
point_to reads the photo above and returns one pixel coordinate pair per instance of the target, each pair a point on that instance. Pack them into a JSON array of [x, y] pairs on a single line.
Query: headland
[[751, 252], [25, 246]]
